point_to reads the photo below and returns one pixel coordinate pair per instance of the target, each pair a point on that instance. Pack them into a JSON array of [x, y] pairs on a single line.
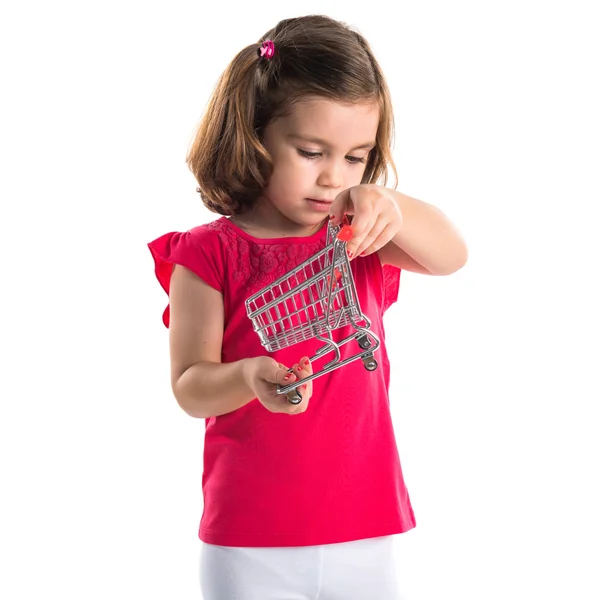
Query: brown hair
[[314, 56]]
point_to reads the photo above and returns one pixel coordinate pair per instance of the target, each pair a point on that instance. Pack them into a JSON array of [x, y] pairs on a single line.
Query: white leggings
[[360, 570]]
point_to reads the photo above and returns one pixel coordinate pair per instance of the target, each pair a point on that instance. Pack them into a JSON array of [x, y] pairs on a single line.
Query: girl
[[300, 501]]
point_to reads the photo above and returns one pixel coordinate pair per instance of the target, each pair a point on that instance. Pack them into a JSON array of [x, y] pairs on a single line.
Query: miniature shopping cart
[[312, 301]]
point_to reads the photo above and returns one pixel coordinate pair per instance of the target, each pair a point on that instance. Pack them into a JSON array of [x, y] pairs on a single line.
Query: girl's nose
[[331, 175]]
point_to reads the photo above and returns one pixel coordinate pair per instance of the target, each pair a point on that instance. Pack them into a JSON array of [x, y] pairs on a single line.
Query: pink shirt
[[331, 474]]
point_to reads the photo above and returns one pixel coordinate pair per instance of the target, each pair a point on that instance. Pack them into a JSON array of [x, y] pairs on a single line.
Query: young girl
[[300, 501]]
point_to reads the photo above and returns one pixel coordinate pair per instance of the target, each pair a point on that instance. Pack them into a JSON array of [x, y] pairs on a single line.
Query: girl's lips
[[320, 205]]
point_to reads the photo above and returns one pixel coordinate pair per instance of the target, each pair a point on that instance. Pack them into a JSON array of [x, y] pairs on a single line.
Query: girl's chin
[[306, 224]]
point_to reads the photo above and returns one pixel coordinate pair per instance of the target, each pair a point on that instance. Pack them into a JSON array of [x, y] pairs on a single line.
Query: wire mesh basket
[[312, 301]]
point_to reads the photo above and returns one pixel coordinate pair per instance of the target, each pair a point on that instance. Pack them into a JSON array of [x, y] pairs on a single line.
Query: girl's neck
[[262, 221]]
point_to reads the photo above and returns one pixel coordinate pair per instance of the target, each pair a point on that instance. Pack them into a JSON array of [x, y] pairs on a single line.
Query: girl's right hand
[[263, 374]]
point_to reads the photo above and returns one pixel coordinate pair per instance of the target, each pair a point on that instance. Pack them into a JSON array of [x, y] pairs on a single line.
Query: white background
[[495, 372]]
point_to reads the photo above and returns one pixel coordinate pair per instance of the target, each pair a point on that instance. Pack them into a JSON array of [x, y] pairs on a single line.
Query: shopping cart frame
[[281, 315]]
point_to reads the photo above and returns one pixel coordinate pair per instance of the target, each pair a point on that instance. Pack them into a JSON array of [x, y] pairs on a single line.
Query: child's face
[[318, 151]]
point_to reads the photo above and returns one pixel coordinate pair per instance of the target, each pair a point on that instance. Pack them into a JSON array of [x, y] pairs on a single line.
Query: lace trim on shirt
[[258, 264]]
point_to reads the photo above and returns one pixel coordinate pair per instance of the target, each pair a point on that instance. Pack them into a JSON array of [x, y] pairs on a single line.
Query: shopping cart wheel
[[370, 363], [294, 397], [364, 342]]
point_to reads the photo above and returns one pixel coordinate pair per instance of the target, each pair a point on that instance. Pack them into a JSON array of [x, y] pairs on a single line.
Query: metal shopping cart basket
[[312, 301]]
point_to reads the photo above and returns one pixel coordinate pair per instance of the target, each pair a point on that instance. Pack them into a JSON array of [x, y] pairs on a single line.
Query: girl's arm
[[404, 231], [202, 385], [427, 242]]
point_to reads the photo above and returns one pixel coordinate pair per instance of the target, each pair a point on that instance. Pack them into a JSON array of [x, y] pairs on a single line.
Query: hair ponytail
[[228, 126]]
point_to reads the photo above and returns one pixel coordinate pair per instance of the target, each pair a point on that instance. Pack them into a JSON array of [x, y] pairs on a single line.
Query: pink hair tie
[[267, 50]]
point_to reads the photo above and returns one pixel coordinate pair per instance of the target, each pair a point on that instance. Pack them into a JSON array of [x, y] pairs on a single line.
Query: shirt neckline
[[281, 240]]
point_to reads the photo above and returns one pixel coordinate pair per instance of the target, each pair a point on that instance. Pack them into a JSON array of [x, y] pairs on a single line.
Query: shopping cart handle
[[346, 232]]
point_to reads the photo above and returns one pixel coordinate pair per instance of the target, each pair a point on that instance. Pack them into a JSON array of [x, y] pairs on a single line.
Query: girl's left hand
[[377, 217]]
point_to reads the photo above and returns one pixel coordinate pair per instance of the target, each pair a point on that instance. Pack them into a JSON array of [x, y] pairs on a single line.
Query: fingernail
[[306, 363], [287, 376], [350, 254], [363, 253]]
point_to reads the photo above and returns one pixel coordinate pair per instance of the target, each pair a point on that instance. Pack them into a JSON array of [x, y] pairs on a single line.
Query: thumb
[[281, 375], [339, 207]]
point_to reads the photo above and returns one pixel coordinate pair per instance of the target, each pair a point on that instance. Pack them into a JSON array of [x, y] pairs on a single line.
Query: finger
[[299, 371], [305, 391], [386, 236], [284, 377], [363, 218], [372, 235], [339, 206], [307, 371], [306, 365], [303, 369], [359, 236]]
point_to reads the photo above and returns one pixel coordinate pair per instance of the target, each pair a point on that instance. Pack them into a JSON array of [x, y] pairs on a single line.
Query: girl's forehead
[[325, 109], [328, 119]]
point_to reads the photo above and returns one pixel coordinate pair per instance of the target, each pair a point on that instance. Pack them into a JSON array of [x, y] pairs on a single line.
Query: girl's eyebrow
[[321, 142]]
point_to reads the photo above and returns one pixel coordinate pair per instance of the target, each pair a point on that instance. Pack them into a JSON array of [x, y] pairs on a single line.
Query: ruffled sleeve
[[197, 249], [391, 285]]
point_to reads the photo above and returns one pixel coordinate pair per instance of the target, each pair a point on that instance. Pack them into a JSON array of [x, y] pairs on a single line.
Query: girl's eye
[[351, 159], [355, 159], [308, 154]]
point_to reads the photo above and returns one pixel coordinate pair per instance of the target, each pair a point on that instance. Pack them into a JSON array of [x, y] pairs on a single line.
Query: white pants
[[360, 570]]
